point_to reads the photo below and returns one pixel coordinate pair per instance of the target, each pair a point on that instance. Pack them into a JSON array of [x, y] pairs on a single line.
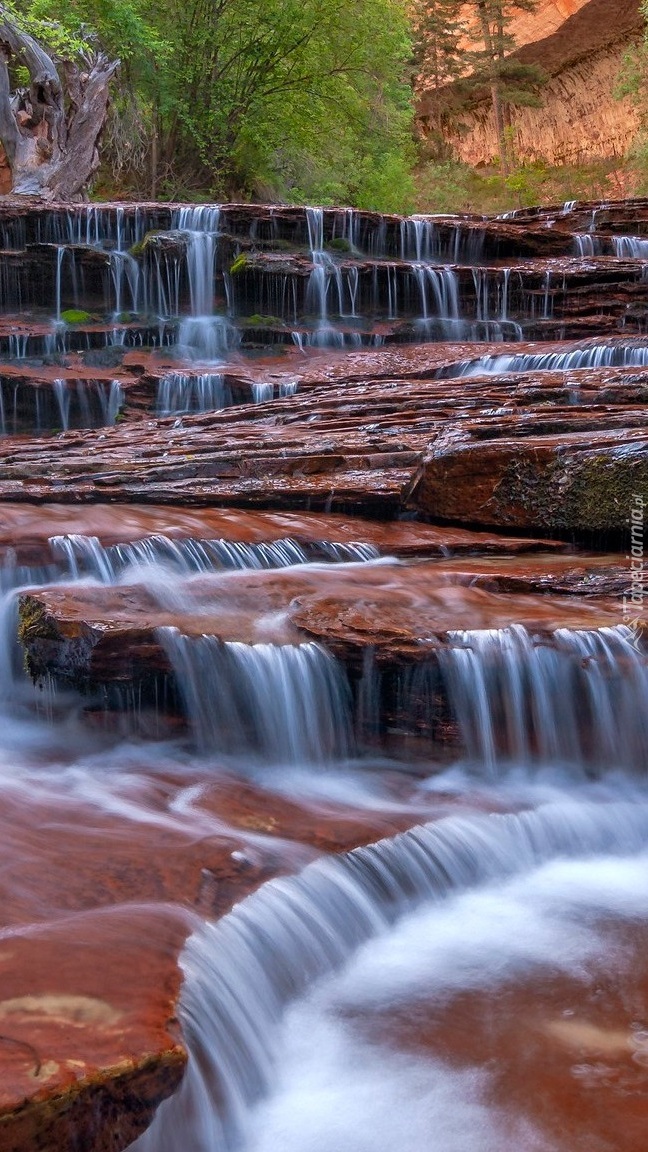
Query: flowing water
[[472, 977], [593, 355], [243, 972], [356, 995]]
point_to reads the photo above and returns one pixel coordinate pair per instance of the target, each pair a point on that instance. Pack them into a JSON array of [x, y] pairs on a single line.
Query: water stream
[[474, 983], [299, 1008], [243, 972]]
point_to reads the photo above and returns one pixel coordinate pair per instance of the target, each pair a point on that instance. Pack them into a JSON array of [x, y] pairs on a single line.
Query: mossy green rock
[[560, 484], [339, 244], [76, 316]]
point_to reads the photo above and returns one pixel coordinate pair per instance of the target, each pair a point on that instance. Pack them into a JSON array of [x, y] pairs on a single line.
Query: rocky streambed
[[296, 487]]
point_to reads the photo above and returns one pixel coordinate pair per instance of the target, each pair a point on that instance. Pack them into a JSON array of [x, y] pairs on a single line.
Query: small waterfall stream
[[241, 972], [581, 699], [287, 703], [245, 746], [595, 355], [204, 334]]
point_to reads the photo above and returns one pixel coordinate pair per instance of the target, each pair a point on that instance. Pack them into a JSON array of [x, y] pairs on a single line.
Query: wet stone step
[[37, 536], [381, 443], [392, 630], [93, 634]]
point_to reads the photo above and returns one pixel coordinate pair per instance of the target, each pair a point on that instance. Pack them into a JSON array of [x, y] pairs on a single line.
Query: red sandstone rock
[[560, 483], [100, 635]]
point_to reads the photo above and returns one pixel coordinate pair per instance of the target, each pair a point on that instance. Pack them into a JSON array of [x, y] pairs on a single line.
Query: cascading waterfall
[[78, 404], [418, 240], [585, 244], [616, 355], [157, 258], [537, 713], [579, 698], [324, 269], [124, 269], [60, 256], [180, 392], [63, 400], [442, 310], [493, 323], [288, 703], [242, 972], [345, 553], [87, 556], [630, 247], [80, 557], [204, 333]]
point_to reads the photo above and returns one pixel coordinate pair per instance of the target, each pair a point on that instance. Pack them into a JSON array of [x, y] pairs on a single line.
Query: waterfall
[[63, 400], [87, 556], [286, 703], [113, 402], [201, 225], [348, 553], [326, 272], [579, 698], [317, 290], [125, 273], [630, 247], [443, 309], [60, 255], [241, 973], [262, 392], [203, 333], [418, 239], [615, 355], [585, 244], [180, 392]]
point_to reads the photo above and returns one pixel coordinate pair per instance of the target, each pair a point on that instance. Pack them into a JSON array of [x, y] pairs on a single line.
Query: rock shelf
[[366, 433]]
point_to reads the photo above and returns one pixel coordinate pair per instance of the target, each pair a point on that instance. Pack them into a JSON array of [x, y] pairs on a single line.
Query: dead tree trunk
[[50, 130]]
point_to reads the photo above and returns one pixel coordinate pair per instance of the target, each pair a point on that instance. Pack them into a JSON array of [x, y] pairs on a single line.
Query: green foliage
[[440, 30], [339, 244], [454, 187], [47, 23], [294, 99], [633, 82], [140, 248], [258, 321], [239, 264]]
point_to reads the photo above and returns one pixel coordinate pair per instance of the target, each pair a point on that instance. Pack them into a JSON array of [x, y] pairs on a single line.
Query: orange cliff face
[[527, 27], [580, 48], [546, 19]]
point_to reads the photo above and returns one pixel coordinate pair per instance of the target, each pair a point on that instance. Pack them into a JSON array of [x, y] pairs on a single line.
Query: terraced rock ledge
[[378, 439]]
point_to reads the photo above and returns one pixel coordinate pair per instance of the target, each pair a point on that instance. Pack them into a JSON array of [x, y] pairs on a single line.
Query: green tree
[[633, 82], [440, 31], [257, 80], [509, 81], [287, 98]]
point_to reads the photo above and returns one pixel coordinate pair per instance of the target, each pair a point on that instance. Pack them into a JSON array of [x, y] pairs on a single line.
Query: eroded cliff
[[580, 46]]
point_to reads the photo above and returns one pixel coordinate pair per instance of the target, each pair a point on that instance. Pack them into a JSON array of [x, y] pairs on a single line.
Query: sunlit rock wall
[[580, 44]]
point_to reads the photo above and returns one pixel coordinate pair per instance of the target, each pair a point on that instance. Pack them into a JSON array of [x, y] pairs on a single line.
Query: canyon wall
[[580, 117]]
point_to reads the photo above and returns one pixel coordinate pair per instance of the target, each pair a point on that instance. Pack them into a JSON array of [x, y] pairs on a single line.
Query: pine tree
[[510, 82], [440, 34]]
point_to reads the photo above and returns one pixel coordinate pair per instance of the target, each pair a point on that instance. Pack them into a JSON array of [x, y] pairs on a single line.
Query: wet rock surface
[[456, 406], [544, 451], [401, 613]]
